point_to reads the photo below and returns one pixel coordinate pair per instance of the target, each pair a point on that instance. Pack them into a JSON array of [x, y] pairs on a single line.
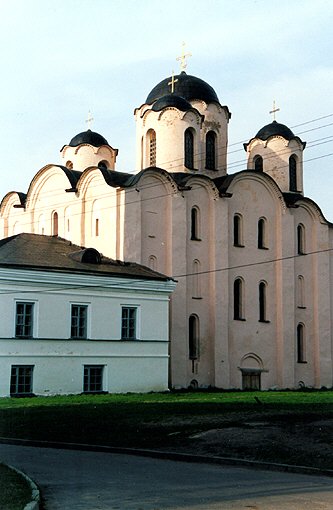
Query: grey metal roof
[[53, 253]]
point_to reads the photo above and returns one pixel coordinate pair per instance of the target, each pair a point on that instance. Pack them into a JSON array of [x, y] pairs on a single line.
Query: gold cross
[[182, 58], [89, 119], [172, 82], [274, 110]]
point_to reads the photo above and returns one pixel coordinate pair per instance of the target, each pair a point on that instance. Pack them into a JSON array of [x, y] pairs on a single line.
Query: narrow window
[[193, 337], [189, 148], [300, 344], [292, 173], [262, 233], [300, 239], [262, 302], [21, 380], [238, 230], [300, 292], [55, 224], [79, 317], [96, 227], [195, 224], [238, 299], [196, 292], [24, 320], [211, 150], [128, 323], [258, 164], [93, 378], [152, 147], [152, 262]]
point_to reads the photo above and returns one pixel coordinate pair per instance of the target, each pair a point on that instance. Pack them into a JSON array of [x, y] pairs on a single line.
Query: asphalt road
[[72, 480]]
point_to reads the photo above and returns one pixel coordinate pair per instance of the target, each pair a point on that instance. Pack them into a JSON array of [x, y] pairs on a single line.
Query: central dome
[[187, 86]]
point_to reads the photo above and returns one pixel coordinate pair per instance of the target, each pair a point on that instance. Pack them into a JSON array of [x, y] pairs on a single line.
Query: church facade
[[251, 254]]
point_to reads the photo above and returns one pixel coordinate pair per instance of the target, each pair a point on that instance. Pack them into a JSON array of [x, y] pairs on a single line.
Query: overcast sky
[[62, 58]]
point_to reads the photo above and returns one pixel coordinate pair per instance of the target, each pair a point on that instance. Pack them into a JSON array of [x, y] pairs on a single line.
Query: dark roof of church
[[52, 253], [275, 129], [90, 137], [187, 86], [172, 100]]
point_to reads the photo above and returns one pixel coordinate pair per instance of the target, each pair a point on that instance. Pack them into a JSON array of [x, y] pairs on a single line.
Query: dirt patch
[[307, 442]]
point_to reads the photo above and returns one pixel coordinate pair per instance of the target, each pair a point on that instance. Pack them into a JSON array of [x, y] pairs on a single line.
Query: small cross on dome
[[275, 109], [89, 120], [183, 57]]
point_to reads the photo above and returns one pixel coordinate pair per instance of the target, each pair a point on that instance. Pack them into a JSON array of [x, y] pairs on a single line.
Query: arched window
[[152, 262], [262, 243], [238, 230], [210, 150], [258, 163], [300, 292], [300, 239], [189, 148], [262, 302], [96, 227], [151, 138], [69, 165], [292, 173], [195, 223], [193, 337], [55, 224], [196, 291], [238, 299], [301, 354]]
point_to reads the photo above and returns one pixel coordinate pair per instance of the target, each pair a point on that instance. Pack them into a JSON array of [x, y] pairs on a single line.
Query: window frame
[[129, 332], [300, 239], [87, 376], [238, 233], [258, 162], [28, 326], [300, 343], [189, 148], [293, 173], [193, 337], [238, 299], [15, 380], [195, 223], [262, 288], [79, 318], [262, 234], [211, 150]]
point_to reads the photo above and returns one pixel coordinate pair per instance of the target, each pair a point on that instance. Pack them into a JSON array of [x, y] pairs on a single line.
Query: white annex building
[[251, 254], [74, 321]]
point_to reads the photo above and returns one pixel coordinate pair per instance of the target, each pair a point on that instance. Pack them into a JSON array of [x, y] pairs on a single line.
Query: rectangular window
[[21, 380], [79, 321], [24, 320], [93, 378], [128, 323]]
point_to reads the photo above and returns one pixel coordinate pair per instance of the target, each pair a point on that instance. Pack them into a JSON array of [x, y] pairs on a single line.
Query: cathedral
[[252, 256]]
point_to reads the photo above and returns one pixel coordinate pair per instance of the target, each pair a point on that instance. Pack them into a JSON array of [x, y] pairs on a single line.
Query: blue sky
[[62, 58]]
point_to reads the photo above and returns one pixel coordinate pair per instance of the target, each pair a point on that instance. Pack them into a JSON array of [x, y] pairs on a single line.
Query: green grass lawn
[[15, 493], [168, 420]]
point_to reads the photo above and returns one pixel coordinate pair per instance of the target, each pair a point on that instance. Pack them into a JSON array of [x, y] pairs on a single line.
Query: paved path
[[76, 480]]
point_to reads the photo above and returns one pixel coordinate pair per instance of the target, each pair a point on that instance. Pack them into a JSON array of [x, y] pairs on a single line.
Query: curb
[[167, 455], [34, 504]]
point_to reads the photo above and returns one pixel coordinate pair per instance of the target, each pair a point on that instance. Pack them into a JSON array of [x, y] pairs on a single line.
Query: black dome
[[172, 100], [90, 137], [188, 87], [275, 129]]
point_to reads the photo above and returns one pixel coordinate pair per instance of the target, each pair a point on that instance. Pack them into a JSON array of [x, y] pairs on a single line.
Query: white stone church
[[251, 254]]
